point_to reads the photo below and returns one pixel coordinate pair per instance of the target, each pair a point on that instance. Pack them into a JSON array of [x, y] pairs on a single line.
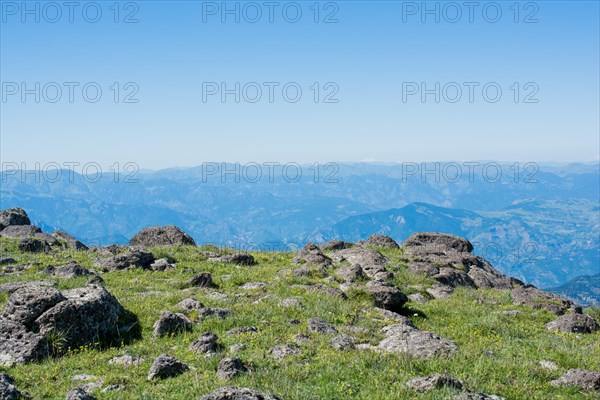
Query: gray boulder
[[32, 245], [351, 273], [230, 367], [335, 245], [281, 352], [476, 396], [161, 236], [238, 393], [13, 216], [536, 298], [437, 242], [586, 380], [70, 270], [343, 342], [166, 366], [237, 259], [35, 314], [202, 279], [79, 393], [205, 344], [576, 323], [311, 254], [404, 338], [8, 390], [317, 325], [171, 323], [72, 242], [371, 261], [134, 258], [381, 241], [431, 382], [386, 296]]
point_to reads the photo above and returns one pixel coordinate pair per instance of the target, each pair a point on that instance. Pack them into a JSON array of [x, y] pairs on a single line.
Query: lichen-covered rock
[[72, 242], [36, 313], [371, 261], [317, 325], [241, 330], [190, 305], [238, 393], [428, 383], [335, 245], [202, 279], [171, 323], [230, 367], [576, 323], [476, 396], [205, 344], [437, 242], [586, 380], [70, 270], [381, 241], [536, 298], [13, 216], [386, 296], [79, 393], [343, 342], [311, 254], [8, 390], [283, 351], [406, 339], [161, 236], [166, 366], [32, 245], [351, 273], [134, 258], [237, 259]]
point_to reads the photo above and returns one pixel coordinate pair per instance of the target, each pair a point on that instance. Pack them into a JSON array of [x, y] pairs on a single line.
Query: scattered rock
[[418, 298], [79, 393], [238, 393], [476, 396], [536, 298], [386, 296], [190, 304], [371, 261], [162, 264], [317, 325], [586, 380], [95, 280], [166, 366], [291, 302], [281, 352], [8, 390], [431, 382], [406, 339], [335, 245], [253, 285], [351, 273], [242, 329], [328, 290], [237, 347], [343, 342], [13, 216], [72, 243], [126, 360], [161, 236], [7, 260], [134, 258], [300, 338], [203, 279], [31, 245], [220, 313], [576, 323], [384, 242], [27, 231], [70, 270], [230, 367], [311, 254], [440, 291], [549, 365], [437, 242], [237, 259], [171, 324], [205, 344]]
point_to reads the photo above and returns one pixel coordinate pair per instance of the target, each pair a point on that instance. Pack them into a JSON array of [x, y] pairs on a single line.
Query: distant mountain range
[[584, 290], [541, 224]]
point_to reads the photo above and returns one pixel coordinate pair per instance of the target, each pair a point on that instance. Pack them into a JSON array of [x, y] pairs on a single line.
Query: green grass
[[498, 354]]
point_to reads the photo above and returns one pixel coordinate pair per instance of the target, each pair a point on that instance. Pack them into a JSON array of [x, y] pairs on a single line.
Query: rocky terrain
[[162, 318]]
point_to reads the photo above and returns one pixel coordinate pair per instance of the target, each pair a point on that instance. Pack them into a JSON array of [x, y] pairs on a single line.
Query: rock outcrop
[[38, 321], [161, 236]]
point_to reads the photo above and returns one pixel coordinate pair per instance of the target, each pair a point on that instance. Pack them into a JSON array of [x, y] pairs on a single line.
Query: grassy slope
[[498, 354]]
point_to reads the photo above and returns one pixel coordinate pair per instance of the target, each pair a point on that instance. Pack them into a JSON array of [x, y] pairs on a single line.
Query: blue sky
[[372, 56]]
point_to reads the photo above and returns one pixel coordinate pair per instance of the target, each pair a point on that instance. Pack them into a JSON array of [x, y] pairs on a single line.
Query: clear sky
[[375, 58]]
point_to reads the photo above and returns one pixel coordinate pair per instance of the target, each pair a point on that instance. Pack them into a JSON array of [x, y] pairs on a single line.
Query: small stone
[[241, 330], [253, 285], [190, 305], [549, 365], [126, 360], [171, 324], [586, 380], [317, 325], [431, 382], [281, 352], [343, 342], [203, 279], [230, 367], [237, 347], [166, 366]]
